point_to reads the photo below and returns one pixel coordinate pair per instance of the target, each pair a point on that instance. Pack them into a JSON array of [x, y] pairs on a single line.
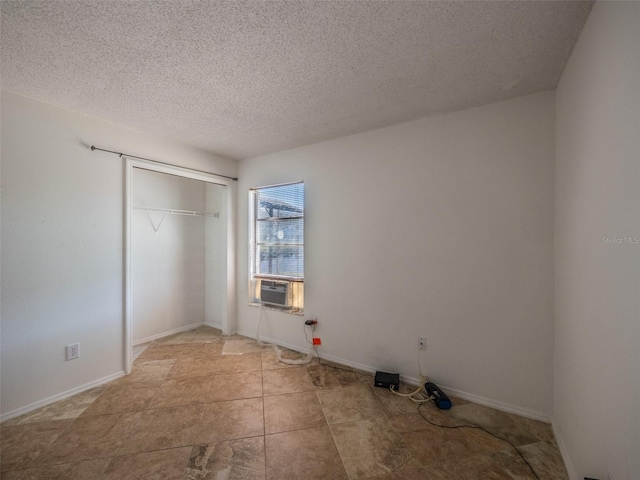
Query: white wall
[[62, 245], [167, 267], [597, 332], [441, 227], [216, 256]]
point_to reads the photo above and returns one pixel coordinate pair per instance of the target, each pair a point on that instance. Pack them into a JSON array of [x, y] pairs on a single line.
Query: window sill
[[290, 311], [280, 278]]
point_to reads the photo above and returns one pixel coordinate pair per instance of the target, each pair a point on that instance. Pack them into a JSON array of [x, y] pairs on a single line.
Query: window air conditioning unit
[[275, 293]]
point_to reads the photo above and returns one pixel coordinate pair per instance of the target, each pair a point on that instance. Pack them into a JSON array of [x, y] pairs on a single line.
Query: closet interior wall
[[178, 261]]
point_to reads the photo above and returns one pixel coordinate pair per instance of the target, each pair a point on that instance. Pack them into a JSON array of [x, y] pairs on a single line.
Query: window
[[277, 240]]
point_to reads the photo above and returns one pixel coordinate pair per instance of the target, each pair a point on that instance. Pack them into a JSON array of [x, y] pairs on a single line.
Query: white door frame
[[228, 321]]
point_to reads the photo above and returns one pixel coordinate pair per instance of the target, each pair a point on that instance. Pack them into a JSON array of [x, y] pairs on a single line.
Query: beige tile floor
[[201, 406]]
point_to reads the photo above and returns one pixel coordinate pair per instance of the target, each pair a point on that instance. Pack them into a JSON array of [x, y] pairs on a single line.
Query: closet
[[178, 244]]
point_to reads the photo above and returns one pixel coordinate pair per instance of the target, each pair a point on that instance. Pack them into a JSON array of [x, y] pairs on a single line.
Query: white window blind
[[278, 244]]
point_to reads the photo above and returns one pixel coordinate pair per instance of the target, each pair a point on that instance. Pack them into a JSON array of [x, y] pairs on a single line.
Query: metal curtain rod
[[120, 154]]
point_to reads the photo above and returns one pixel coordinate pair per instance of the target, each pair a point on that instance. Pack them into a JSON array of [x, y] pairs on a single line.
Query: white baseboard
[[214, 325], [186, 328], [504, 407], [275, 342], [487, 402], [60, 396], [564, 452]]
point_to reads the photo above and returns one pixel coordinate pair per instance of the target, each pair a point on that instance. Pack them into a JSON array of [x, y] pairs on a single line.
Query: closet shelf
[[172, 211]]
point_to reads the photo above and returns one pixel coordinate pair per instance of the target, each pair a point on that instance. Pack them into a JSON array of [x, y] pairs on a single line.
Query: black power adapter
[[387, 380]]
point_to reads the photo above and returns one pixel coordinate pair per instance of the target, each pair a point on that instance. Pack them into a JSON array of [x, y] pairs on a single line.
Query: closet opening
[[178, 252]]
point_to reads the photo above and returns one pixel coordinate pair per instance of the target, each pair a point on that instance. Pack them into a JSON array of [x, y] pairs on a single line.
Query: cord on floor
[[484, 430], [419, 395], [278, 352]]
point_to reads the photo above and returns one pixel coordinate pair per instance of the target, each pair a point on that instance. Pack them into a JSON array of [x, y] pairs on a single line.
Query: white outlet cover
[[73, 351]]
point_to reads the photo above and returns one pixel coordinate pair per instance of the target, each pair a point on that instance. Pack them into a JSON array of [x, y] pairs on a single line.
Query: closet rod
[[161, 163], [173, 211]]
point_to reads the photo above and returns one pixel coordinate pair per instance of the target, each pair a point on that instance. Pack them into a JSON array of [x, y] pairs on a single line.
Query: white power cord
[[278, 352], [420, 395]]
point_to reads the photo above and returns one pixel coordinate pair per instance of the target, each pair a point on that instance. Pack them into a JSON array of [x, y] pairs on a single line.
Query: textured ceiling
[[246, 78]]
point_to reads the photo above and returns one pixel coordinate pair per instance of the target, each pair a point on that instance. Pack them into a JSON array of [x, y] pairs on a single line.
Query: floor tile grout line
[[386, 416], [49, 445], [297, 429], [333, 437], [196, 431], [335, 444], [264, 417]]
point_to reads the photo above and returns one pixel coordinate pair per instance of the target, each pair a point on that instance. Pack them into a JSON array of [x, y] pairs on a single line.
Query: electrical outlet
[[73, 351], [422, 343]]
